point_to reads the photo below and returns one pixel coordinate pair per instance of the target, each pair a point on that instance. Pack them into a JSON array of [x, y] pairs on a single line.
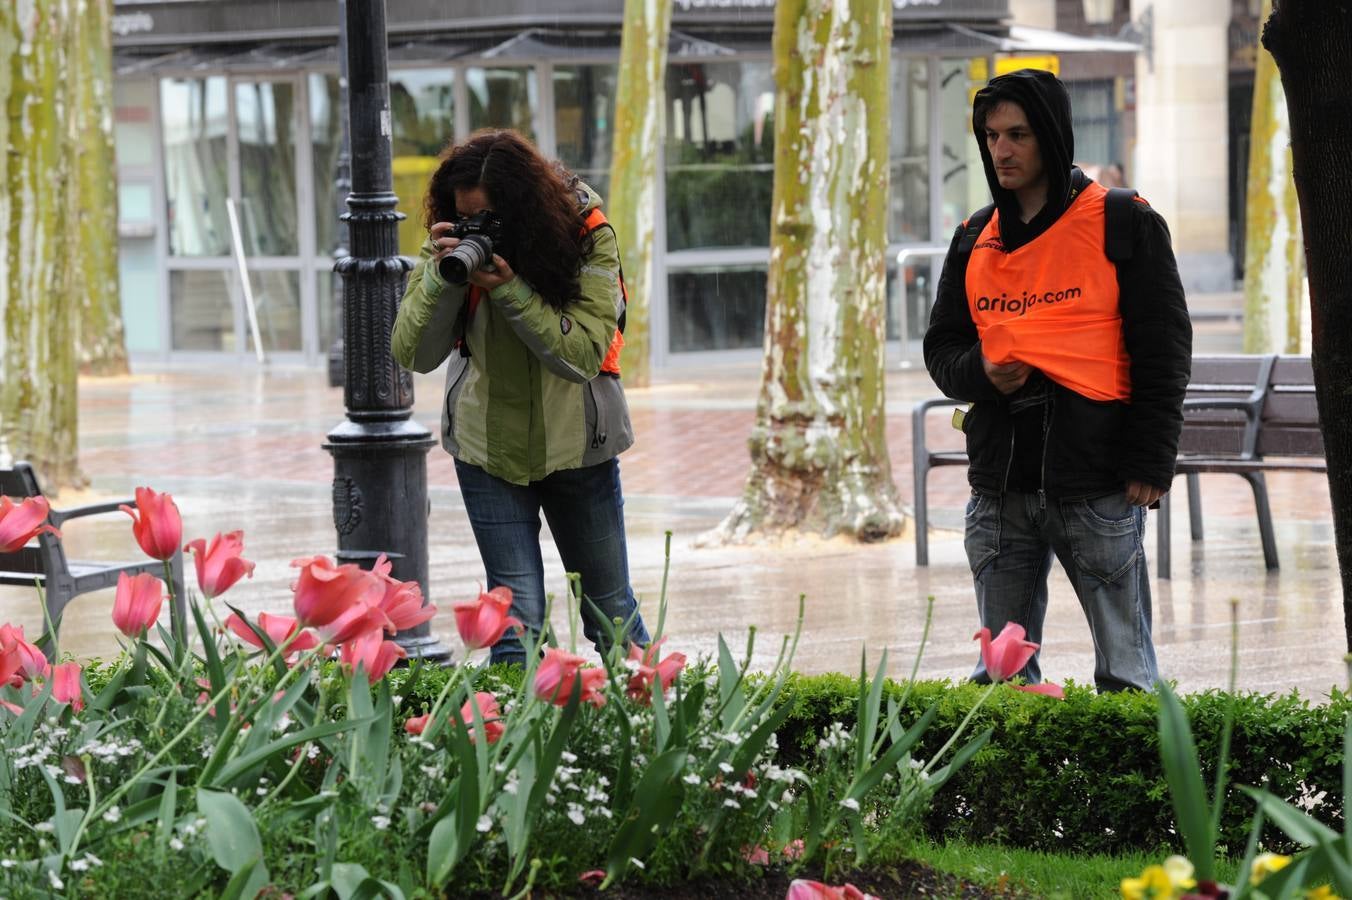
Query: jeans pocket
[[981, 536], [1104, 535]]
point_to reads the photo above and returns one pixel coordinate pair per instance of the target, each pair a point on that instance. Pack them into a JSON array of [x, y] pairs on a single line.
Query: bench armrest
[[1252, 409], [57, 517]]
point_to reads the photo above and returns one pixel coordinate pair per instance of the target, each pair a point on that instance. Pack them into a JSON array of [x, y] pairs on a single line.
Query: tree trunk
[[1274, 265], [819, 447], [93, 202], [39, 246], [1311, 41], [633, 170]]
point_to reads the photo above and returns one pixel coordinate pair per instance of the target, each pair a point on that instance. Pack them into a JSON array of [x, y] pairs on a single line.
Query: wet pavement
[[242, 449]]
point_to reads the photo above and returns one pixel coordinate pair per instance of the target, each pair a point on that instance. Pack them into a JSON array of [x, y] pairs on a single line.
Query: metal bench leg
[[921, 515], [1162, 536], [1195, 505], [1258, 482]]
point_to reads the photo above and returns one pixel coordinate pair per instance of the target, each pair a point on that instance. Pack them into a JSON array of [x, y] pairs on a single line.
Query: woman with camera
[[519, 283]]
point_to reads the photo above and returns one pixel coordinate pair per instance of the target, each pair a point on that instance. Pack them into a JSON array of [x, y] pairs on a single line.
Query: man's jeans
[[585, 511], [1010, 541]]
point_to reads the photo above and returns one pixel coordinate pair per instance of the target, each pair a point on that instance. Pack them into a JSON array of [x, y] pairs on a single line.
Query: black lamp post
[[379, 454]]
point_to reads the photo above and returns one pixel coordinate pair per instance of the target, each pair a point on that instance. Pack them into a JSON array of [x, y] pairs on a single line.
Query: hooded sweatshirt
[[1044, 436]]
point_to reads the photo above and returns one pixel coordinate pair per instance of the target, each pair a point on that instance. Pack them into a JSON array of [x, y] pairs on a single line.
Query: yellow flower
[[1265, 864], [1154, 884], [1180, 872], [1323, 892]]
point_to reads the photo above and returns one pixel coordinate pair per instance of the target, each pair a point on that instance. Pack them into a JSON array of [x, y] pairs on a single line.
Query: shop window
[[584, 119], [195, 117], [277, 301], [422, 107], [716, 308], [326, 137], [1097, 142], [266, 115], [719, 154], [961, 173], [502, 97], [908, 199], [201, 311]]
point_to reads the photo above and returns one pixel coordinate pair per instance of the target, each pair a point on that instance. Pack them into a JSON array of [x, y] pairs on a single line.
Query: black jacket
[[1070, 446]]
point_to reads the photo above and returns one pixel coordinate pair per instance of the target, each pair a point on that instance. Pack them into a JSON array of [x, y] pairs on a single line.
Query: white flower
[[175, 844], [381, 822], [397, 699], [568, 757], [312, 752], [637, 863], [78, 865], [57, 883], [484, 824], [732, 804], [47, 827], [850, 803], [8, 863], [575, 814], [691, 778], [112, 815], [725, 768], [92, 859]]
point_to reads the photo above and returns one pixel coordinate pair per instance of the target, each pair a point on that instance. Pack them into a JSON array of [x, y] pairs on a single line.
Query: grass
[[1033, 873]]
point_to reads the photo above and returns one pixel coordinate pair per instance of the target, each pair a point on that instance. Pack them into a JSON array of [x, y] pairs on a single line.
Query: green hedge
[[1084, 774]]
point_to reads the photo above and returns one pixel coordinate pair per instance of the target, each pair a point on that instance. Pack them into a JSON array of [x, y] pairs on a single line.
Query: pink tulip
[[403, 600], [66, 686], [558, 670], [488, 711], [416, 724], [137, 604], [20, 661], [20, 524], [278, 629], [801, 889], [12, 707], [374, 653], [592, 878], [219, 565], [649, 669], [156, 523], [340, 602], [1046, 688], [757, 855], [794, 849], [482, 622], [1005, 656]]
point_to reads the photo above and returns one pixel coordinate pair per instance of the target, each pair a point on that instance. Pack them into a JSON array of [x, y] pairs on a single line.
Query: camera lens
[[470, 254]]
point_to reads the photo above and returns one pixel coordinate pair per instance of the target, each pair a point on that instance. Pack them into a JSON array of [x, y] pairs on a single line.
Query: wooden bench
[[43, 561], [1243, 415]]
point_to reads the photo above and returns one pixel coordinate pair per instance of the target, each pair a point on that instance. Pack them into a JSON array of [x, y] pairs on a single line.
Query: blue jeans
[[1010, 541], [585, 511]]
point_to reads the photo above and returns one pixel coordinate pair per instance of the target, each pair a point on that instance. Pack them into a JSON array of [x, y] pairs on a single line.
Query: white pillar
[[1182, 133]]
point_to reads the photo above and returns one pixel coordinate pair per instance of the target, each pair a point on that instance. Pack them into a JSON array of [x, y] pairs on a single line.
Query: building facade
[[229, 140]]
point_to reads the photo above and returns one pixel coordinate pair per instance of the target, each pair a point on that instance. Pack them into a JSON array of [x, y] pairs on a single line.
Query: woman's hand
[[443, 243], [501, 273]]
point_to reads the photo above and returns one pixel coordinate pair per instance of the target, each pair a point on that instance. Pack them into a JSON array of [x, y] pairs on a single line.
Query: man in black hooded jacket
[[1062, 464]]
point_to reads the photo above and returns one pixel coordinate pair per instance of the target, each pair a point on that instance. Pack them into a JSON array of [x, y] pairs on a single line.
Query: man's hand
[[1007, 377], [501, 273], [1141, 494]]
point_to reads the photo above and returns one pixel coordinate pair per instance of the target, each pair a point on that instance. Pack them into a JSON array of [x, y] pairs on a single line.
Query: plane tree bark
[[819, 446]]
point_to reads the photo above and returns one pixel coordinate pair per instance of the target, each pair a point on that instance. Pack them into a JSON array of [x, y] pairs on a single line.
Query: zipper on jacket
[[1046, 434]]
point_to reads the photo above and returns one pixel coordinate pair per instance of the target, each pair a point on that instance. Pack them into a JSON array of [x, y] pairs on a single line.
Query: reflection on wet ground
[[243, 451]]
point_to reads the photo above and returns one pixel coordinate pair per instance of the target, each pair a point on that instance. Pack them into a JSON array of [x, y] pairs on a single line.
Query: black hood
[[1044, 100]]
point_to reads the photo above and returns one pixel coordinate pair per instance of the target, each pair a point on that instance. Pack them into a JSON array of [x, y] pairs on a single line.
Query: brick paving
[[243, 450]]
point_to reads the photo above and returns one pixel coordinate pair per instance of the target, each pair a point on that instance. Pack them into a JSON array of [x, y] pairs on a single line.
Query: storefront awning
[[272, 57]]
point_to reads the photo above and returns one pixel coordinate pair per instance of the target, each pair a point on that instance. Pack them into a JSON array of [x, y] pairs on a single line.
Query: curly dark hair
[[535, 198]]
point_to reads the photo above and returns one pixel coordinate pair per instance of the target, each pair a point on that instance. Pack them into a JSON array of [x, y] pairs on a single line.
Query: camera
[[478, 235]]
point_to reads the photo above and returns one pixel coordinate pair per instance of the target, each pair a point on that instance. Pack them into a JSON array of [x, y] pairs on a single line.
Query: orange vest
[[611, 364], [1052, 303]]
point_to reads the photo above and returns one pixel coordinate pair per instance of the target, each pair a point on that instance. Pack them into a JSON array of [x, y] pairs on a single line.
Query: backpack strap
[[1117, 223], [972, 228]]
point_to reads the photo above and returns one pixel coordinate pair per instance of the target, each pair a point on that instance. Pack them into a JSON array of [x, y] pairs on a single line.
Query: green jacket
[[529, 399]]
